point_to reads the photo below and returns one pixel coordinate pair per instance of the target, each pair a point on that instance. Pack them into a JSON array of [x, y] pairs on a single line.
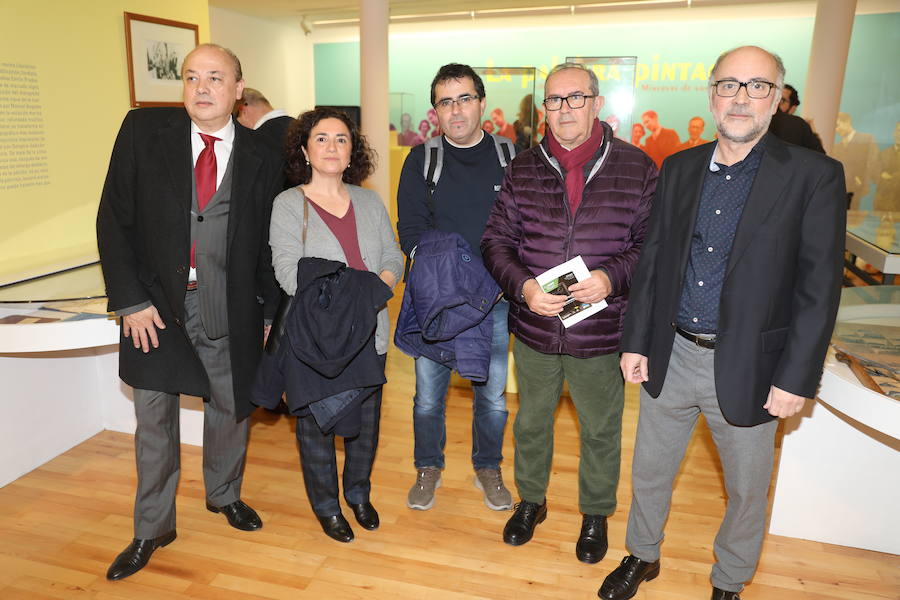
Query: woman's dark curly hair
[[362, 157]]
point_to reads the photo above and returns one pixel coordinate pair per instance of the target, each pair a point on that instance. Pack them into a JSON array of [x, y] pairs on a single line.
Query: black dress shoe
[[366, 515], [520, 526], [136, 556], [336, 527], [623, 582], [592, 543], [723, 595], [239, 515]]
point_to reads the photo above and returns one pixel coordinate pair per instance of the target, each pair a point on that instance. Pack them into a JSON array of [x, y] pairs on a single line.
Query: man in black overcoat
[[182, 231]]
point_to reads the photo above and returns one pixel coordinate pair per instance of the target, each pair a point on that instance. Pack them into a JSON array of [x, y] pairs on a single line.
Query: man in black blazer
[[182, 231], [730, 314], [791, 128]]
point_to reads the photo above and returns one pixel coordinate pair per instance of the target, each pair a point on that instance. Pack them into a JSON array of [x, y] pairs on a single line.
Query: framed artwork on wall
[[155, 51]]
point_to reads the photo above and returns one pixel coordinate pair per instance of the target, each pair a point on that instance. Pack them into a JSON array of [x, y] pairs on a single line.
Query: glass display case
[[872, 237], [616, 76], [511, 109]]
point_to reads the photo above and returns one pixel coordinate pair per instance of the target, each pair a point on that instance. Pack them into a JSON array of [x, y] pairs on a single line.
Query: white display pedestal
[[60, 387], [839, 476]]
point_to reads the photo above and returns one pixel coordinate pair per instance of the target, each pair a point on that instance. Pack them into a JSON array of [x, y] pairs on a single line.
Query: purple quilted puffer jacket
[[531, 230]]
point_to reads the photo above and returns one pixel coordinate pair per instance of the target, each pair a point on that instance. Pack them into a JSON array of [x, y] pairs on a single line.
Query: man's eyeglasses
[[756, 88], [463, 101], [573, 100]]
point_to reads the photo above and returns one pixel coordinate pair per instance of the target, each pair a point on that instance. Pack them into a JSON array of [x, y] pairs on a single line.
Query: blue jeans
[[489, 404]]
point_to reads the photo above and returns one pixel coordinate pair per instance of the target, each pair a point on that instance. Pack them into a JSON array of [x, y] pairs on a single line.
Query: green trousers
[[597, 391]]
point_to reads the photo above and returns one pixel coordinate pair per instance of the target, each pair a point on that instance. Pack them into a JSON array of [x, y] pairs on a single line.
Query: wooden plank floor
[[62, 524]]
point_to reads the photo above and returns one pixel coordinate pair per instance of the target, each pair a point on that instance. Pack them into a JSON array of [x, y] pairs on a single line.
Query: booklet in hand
[[557, 281]]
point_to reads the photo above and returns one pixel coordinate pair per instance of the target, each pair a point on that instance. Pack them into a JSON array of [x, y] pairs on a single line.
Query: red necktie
[[205, 179], [205, 171]]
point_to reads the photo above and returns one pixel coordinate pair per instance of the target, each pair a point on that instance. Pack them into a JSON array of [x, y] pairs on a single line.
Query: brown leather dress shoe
[[136, 556], [239, 515], [623, 582]]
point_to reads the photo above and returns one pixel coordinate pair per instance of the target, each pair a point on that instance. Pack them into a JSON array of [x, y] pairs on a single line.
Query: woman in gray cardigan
[[327, 157]]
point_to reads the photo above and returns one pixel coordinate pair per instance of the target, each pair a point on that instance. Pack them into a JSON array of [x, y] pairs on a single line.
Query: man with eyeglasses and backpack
[[449, 184]]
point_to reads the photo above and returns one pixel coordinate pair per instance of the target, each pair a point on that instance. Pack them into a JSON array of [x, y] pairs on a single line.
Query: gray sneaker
[[496, 496], [421, 495]]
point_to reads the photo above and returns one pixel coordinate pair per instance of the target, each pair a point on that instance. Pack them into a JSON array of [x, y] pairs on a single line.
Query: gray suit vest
[[209, 229]]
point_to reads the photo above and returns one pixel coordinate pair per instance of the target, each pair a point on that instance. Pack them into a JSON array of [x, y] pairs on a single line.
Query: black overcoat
[[143, 234]]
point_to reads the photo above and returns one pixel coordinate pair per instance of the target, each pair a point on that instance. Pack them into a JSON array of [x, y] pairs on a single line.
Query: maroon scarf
[[573, 161]]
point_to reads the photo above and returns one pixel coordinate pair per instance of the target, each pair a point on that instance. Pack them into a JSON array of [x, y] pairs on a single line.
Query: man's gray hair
[[594, 84], [253, 97], [779, 64], [238, 74]]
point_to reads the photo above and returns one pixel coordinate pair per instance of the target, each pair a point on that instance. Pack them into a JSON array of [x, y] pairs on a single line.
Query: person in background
[[255, 112], [791, 128], [790, 99], [327, 160]]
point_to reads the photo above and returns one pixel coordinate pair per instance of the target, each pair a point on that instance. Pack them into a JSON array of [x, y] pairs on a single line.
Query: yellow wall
[[79, 51]]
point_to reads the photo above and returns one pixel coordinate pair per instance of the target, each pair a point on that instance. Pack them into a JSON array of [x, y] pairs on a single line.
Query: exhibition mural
[[673, 61]]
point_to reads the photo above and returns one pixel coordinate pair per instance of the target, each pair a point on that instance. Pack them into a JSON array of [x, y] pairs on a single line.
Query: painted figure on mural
[[858, 152], [528, 120], [695, 130], [503, 128], [407, 137], [435, 122], [661, 142], [637, 132], [887, 194]]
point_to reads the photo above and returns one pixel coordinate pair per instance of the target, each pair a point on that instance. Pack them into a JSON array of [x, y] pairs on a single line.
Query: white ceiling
[[321, 12]]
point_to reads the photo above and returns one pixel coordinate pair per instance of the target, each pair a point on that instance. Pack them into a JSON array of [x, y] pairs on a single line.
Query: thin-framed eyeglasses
[[462, 101], [573, 100], [756, 88]]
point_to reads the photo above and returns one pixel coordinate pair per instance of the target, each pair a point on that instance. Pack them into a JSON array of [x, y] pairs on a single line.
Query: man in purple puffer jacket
[[580, 192]]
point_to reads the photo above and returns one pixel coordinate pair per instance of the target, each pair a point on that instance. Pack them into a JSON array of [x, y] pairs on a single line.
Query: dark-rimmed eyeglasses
[[573, 100], [756, 88], [462, 101]]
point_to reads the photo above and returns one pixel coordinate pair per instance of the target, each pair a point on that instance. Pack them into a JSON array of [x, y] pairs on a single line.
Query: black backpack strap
[[431, 181], [506, 154], [434, 156]]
